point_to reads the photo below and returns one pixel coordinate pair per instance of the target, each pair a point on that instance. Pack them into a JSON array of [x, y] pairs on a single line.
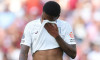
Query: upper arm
[[25, 43], [69, 36], [26, 38]]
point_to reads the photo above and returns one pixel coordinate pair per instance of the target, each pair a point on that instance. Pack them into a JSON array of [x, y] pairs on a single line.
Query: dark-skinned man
[[58, 37]]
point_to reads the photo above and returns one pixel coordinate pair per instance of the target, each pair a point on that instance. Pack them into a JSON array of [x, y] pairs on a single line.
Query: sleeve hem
[[24, 44], [72, 43]]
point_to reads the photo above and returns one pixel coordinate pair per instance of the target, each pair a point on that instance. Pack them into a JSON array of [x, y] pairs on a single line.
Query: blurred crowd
[[83, 15]]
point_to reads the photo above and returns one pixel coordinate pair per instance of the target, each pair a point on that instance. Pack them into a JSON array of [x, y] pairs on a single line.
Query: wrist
[[57, 37]]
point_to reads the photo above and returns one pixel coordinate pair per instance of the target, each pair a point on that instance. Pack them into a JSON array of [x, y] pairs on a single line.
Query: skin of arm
[[70, 50], [24, 52]]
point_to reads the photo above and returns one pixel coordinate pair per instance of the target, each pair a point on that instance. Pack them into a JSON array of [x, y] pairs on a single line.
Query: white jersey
[[31, 31]]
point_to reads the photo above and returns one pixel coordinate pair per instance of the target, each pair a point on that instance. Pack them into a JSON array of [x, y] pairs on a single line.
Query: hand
[[52, 29]]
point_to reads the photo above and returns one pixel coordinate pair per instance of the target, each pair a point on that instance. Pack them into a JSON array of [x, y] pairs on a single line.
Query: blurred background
[[83, 15]]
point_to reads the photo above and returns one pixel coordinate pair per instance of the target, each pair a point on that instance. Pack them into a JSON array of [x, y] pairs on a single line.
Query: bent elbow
[[74, 55]]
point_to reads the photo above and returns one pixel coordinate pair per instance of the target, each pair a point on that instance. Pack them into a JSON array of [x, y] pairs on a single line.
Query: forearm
[[23, 56], [24, 52], [53, 30], [69, 50]]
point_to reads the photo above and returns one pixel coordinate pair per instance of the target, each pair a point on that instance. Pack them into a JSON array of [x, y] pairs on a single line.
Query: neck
[[41, 20]]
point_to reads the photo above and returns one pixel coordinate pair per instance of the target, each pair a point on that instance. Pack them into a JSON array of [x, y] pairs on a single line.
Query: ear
[[55, 18], [43, 15]]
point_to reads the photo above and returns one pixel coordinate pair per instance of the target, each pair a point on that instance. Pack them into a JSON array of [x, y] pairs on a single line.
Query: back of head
[[52, 8]]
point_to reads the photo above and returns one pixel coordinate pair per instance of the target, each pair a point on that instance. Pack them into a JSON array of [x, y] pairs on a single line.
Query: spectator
[[95, 53]]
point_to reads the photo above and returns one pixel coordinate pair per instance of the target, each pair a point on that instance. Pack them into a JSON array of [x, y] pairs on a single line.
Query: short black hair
[[52, 8]]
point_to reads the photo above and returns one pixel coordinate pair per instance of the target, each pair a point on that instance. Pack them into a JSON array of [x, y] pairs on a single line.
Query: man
[[57, 37]]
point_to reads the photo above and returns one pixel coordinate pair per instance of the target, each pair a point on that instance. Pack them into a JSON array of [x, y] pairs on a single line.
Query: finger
[[50, 25], [53, 25], [56, 26], [46, 26]]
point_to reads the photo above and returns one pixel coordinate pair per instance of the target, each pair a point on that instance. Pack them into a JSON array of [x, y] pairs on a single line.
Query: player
[[57, 38]]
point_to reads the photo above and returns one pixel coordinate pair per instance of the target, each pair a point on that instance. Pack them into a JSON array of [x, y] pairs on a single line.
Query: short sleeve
[[69, 36], [26, 38]]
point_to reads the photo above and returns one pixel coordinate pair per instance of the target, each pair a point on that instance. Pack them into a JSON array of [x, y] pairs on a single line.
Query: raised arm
[[24, 52], [68, 49]]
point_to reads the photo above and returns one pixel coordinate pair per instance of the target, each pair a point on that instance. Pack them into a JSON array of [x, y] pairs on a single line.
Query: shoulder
[[32, 23], [63, 23], [37, 21]]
